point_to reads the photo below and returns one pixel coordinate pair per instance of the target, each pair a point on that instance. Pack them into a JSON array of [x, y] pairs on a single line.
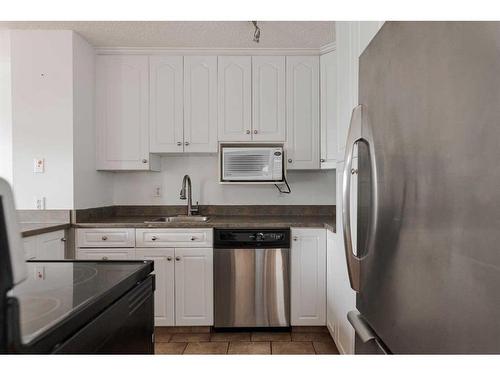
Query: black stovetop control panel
[[244, 238]]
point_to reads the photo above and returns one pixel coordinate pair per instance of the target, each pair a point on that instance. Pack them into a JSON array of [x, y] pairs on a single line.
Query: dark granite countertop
[[33, 229], [219, 221]]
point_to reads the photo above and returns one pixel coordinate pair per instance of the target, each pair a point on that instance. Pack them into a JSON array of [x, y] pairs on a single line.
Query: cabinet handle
[[104, 258], [354, 171], [104, 238], [177, 258], [186, 143], [154, 238], [144, 161], [193, 238], [322, 160], [179, 143], [248, 131], [290, 160], [295, 238], [169, 259], [63, 239], [255, 131]]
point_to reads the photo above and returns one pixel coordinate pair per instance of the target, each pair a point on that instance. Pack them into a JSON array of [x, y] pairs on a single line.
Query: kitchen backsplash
[[139, 188]]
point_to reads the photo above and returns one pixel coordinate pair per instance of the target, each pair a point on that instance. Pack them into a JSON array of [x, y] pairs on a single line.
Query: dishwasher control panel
[[244, 238]]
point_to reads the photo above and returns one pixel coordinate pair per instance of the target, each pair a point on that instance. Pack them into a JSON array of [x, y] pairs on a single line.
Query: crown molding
[[327, 48], [208, 51]]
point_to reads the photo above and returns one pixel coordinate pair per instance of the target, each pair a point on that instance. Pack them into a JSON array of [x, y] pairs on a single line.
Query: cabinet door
[[328, 64], [29, 244], [166, 104], [268, 98], [200, 104], [164, 274], [50, 246], [235, 98], [302, 100], [193, 286], [308, 277], [122, 112], [106, 254]]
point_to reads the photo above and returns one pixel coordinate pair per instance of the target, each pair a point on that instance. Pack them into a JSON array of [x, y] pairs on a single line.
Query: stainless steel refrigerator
[[426, 262]]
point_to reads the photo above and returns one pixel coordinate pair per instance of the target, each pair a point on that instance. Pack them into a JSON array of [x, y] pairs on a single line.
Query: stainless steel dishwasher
[[252, 278]]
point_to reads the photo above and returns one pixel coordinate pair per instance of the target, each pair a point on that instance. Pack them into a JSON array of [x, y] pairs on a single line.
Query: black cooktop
[[63, 294]]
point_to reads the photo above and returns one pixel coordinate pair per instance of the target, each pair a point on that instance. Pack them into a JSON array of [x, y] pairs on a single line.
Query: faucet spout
[[186, 181]]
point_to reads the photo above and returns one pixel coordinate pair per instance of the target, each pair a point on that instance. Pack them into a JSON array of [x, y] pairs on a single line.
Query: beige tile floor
[[201, 340]]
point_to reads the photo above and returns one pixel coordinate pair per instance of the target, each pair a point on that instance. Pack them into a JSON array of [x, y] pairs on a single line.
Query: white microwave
[[251, 163]]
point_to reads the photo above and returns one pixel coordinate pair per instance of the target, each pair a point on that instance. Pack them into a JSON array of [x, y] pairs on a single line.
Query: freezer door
[[428, 279]]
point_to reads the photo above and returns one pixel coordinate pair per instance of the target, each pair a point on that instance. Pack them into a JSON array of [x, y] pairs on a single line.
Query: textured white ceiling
[[189, 34]]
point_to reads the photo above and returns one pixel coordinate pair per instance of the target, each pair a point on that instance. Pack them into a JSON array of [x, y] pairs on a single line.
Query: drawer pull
[[178, 258], [193, 238], [169, 259], [104, 258], [154, 238], [104, 238]]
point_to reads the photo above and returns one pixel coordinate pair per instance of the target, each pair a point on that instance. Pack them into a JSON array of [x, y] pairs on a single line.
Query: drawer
[[108, 237], [178, 237], [105, 254]]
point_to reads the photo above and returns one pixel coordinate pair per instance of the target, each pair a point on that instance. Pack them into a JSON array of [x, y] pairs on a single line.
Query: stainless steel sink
[[179, 219]]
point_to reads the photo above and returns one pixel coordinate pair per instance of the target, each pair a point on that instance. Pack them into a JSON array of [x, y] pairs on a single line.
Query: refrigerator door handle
[[364, 331], [359, 131], [353, 262]]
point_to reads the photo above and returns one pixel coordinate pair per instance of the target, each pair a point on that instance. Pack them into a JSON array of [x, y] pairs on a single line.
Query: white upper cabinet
[[200, 104], [166, 127], [308, 277], [328, 65], [352, 37], [268, 98], [235, 98], [302, 101], [122, 107]]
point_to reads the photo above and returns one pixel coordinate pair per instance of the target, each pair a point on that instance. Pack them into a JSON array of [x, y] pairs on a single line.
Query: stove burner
[[83, 274]]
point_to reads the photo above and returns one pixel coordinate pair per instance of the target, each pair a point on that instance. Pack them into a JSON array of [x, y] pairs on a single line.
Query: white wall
[[42, 114], [136, 188], [5, 108], [91, 188]]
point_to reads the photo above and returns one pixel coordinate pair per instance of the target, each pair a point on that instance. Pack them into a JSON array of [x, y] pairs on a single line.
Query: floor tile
[[311, 336], [325, 347], [230, 336], [170, 347], [206, 348], [162, 336], [292, 348], [271, 336], [301, 329], [190, 337], [249, 348]]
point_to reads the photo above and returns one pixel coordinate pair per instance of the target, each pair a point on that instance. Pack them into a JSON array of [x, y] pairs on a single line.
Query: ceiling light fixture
[[256, 34]]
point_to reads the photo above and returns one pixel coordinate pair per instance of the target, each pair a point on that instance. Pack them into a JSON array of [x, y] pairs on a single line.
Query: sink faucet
[[190, 209]]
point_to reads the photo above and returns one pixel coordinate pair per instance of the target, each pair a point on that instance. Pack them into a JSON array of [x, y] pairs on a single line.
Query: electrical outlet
[[40, 203], [39, 273], [157, 191], [38, 165]]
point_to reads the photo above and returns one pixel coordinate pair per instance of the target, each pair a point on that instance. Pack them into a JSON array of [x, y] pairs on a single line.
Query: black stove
[[71, 306]]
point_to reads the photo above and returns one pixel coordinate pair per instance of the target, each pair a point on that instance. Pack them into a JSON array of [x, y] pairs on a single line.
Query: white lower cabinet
[[193, 286], [308, 277], [47, 246], [165, 283]]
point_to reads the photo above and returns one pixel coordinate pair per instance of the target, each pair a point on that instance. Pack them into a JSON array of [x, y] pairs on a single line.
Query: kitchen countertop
[[232, 221], [33, 229]]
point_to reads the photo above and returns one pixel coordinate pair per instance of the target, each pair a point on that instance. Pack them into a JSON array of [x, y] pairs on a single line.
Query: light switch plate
[[38, 165]]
